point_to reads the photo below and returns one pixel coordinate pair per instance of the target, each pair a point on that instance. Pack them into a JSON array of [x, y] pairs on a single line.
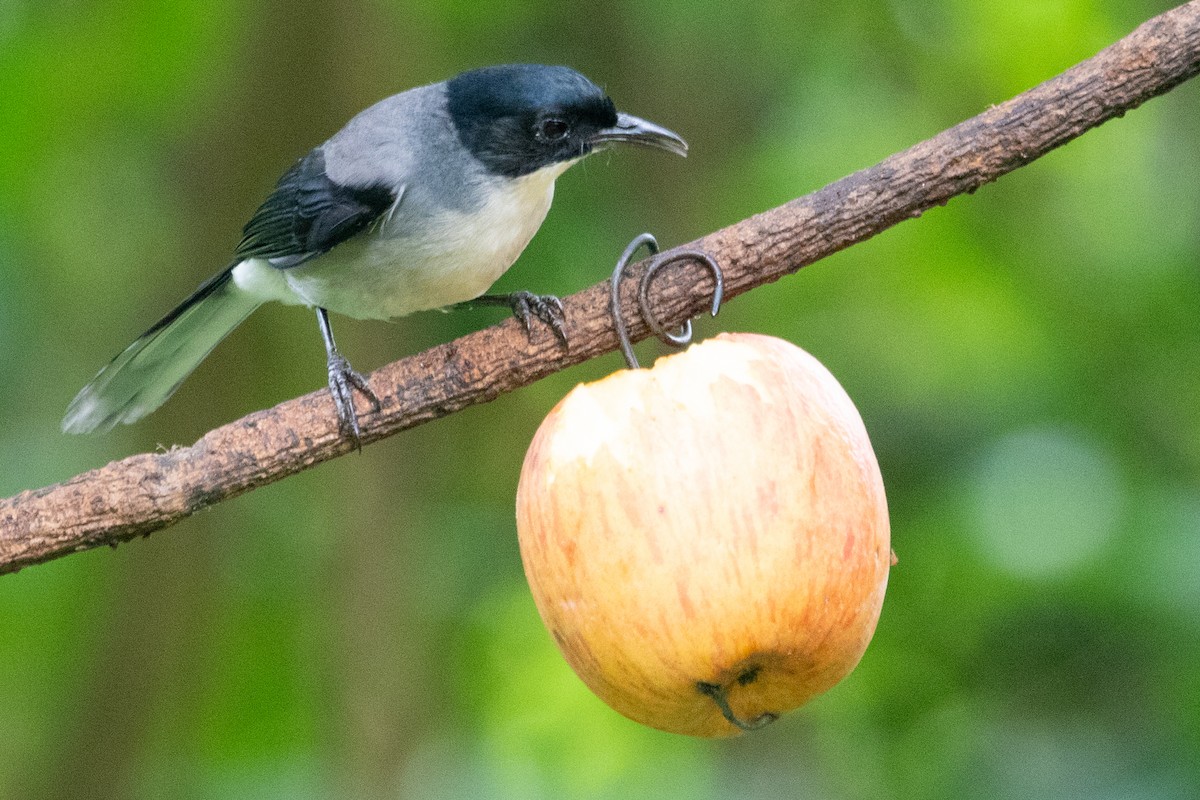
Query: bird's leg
[[342, 382], [527, 305]]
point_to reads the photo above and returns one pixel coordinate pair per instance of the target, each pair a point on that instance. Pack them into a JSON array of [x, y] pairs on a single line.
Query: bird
[[420, 202]]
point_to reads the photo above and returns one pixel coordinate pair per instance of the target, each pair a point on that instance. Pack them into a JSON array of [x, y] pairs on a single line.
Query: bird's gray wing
[[309, 214]]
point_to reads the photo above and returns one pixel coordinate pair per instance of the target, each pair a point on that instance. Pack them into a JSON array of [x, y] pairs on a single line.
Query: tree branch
[[146, 492]]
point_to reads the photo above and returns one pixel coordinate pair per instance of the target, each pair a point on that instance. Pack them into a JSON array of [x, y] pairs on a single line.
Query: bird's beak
[[632, 130]]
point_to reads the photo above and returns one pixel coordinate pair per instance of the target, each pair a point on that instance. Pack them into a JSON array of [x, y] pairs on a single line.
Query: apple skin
[[718, 519]]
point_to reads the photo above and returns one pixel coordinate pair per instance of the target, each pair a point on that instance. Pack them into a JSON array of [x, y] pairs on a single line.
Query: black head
[[519, 118]]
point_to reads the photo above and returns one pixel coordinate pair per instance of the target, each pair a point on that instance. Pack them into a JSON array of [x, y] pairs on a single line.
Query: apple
[[707, 541]]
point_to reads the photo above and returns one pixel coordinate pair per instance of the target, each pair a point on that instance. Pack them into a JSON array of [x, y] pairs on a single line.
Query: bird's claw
[[343, 381], [546, 307]]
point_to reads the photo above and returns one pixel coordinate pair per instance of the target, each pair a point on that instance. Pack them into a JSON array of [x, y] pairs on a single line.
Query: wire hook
[[684, 336]]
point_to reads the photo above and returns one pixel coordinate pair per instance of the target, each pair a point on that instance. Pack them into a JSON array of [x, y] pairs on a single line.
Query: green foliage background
[[1026, 360]]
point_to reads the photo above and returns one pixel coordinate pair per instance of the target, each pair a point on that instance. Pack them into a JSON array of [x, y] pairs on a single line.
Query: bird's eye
[[552, 130]]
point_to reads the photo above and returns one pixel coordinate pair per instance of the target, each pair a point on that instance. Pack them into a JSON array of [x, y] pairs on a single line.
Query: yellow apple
[[707, 541]]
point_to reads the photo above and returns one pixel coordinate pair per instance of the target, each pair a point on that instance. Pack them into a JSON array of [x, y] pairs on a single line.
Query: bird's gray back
[[408, 142]]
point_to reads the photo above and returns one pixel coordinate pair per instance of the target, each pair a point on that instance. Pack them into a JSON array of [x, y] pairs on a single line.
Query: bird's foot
[[343, 381], [546, 307], [525, 306]]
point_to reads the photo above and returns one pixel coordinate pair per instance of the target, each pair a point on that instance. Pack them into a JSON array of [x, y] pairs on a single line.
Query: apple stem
[[717, 693]]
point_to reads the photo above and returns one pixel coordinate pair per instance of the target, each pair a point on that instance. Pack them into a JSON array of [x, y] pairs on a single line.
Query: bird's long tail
[[149, 371]]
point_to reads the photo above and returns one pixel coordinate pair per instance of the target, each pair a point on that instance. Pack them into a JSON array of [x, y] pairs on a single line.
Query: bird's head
[[520, 118]]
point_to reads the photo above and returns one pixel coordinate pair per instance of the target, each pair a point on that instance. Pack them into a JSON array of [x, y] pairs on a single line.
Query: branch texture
[[146, 492]]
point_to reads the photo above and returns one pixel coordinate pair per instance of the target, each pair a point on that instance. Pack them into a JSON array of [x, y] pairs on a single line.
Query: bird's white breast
[[401, 266]]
